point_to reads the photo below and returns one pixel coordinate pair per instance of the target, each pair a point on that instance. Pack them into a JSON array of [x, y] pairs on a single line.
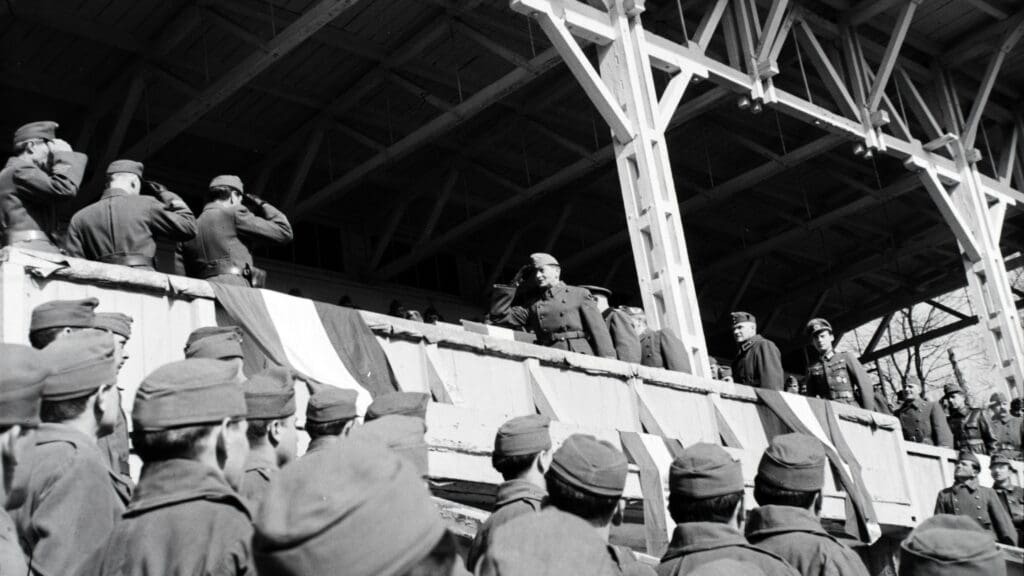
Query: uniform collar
[[971, 485], [257, 461], [321, 442], [514, 490], [910, 403], [829, 355], [176, 481], [114, 192], [701, 536], [1004, 418], [744, 346], [557, 288], [53, 432], [771, 519]]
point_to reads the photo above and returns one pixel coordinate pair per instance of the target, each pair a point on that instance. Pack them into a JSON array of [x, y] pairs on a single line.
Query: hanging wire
[[458, 83], [206, 60], [529, 30], [782, 136], [899, 97], [988, 146], [273, 22], [387, 113], [593, 125], [803, 72], [330, 157], [526, 159], [707, 159], [682, 20]]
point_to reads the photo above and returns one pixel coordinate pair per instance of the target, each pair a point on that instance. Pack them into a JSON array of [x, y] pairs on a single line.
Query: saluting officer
[[758, 362], [219, 252], [970, 427], [922, 421], [625, 339], [43, 170], [1006, 432], [562, 316], [119, 228], [837, 376], [968, 498]]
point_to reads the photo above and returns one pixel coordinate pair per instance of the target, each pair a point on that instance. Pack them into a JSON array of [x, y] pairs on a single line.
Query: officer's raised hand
[[58, 145], [517, 280]]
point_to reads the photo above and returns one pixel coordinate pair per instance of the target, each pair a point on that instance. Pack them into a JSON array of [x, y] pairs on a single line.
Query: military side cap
[[21, 384], [705, 471], [592, 465], [598, 290], [270, 394], [548, 543], [951, 388], [42, 130], [793, 462], [330, 404], [215, 342], [1000, 458], [116, 322], [80, 364], [541, 259], [969, 457], [740, 317], [727, 567], [405, 435], [523, 435], [64, 314], [817, 325], [188, 393], [946, 544], [229, 180], [997, 398], [402, 403], [354, 508], [125, 167]]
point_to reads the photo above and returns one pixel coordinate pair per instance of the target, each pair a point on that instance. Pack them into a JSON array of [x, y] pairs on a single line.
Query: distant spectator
[[413, 315], [432, 316], [397, 309], [792, 385], [295, 292], [345, 301]]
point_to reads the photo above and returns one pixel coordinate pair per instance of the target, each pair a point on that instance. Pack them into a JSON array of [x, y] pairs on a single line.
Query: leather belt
[[562, 336], [17, 236], [217, 268], [132, 260], [842, 395]]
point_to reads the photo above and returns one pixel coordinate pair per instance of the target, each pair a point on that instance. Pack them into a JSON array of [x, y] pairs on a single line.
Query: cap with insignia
[[1000, 458], [541, 259], [997, 398], [216, 342], [592, 465], [950, 389], [403, 403], [817, 325], [21, 384], [116, 322], [270, 394], [598, 290], [64, 314], [523, 435], [229, 180], [354, 508], [548, 543], [42, 130], [947, 544], [793, 462], [403, 434], [705, 471], [80, 364], [740, 317], [188, 393], [965, 456], [125, 167], [330, 404]]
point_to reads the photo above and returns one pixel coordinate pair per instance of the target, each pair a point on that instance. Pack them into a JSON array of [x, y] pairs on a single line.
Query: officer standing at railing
[[922, 421], [837, 376]]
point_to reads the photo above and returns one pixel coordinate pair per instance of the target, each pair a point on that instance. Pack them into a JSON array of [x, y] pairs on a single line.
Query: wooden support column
[[883, 324], [439, 204], [115, 140], [892, 50]]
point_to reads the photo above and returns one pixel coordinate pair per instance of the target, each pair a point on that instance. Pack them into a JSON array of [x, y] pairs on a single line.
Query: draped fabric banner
[[817, 418], [328, 345]]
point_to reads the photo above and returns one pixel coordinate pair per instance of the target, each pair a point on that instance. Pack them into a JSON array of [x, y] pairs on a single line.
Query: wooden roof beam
[[1006, 44], [867, 9], [976, 43]]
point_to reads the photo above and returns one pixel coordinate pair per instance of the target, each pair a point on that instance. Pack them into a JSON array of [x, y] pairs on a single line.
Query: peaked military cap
[[598, 290], [740, 317], [817, 325], [705, 471], [1000, 458], [270, 394], [125, 167], [216, 342], [188, 392], [541, 259], [548, 543], [330, 404], [116, 322], [969, 457], [592, 465], [21, 384], [997, 398], [354, 508], [80, 364], [229, 180], [950, 389], [42, 130], [793, 462], [947, 544], [403, 434], [523, 435], [64, 314], [403, 403]]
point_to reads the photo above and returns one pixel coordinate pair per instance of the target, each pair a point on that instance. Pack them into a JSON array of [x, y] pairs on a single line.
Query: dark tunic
[[321, 442], [563, 317], [1006, 433], [258, 473], [841, 378], [184, 519], [626, 562], [514, 498], [120, 227], [759, 364], [1012, 498], [796, 535], [28, 194], [924, 422], [697, 543], [971, 431], [12, 559], [66, 498], [662, 349], [624, 338], [222, 238], [978, 502]]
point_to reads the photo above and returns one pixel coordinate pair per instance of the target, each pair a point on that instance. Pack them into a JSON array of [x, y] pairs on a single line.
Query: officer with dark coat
[[706, 501], [968, 498], [624, 338], [658, 348], [521, 457], [837, 376], [184, 517], [43, 171], [970, 426], [922, 421], [788, 487], [562, 316], [1011, 496], [120, 227], [330, 415], [273, 439], [758, 362], [947, 545], [1005, 428], [219, 252]]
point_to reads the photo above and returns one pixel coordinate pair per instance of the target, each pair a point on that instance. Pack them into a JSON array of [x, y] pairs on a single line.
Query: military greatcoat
[[662, 349], [1006, 434], [696, 543], [624, 338], [978, 502], [259, 472], [1012, 498], [514, 498], [796, 535], [840, 377], [759, 364], [563, 317], [924, 422], [220, 252], [28, 194], [971, 430]]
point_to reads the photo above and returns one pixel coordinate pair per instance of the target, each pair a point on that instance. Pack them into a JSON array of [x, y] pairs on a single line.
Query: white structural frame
[[973, 204]]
